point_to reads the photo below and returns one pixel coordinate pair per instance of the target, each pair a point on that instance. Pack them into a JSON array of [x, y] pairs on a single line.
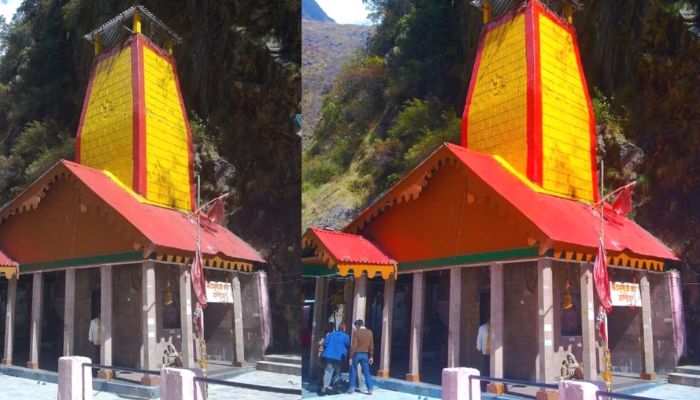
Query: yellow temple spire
[[134, 123], [528, 101]]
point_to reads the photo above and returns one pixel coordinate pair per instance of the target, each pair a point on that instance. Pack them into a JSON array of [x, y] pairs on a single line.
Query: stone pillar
[[148, 322], [646, 330], [69, 314], [545, 323], [105, 321], [456, 384], [320, 295], [74, 381], [348, 294], [455, 315], [237, 316], [178, 384], [497, 325], [387, 319], [186, 327], [359, 304], [416, 340], [590, 371], [10, 319], [35, 330]]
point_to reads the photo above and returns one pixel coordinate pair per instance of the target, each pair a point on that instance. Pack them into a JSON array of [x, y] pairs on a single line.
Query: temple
[[111, 236], [503, 228]]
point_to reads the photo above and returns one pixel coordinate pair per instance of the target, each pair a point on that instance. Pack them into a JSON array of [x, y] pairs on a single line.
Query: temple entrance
[[401, 326], [435, 323], [23, 315], [53, 296], [3, 309], [520, 321]]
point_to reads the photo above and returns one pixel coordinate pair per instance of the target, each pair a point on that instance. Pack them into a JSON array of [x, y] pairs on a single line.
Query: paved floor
[[378, 394], [27, 389], [218, 392], [672, 392]]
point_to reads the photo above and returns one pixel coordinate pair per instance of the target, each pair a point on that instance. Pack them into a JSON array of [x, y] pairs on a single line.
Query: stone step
[[688, 369], [684, 379], [279, 367], [283, 358]]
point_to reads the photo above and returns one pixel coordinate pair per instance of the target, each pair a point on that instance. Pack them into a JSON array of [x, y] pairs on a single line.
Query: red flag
[[622, 205], [603, 325], [217, 212], [602, 282], [198, 283]]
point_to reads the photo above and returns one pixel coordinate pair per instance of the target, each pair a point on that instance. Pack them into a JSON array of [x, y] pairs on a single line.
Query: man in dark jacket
[[335, 347]]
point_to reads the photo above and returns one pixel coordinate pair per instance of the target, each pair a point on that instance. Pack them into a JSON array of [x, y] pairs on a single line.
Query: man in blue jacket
[[335, 348]]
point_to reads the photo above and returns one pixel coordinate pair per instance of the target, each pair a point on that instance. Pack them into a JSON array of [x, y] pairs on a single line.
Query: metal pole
[[202, 342], [607, 376]]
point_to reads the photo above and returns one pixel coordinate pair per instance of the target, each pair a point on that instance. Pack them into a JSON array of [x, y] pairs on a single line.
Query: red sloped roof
[[163, 227], [6, 261], [351, 249], [562, 220]]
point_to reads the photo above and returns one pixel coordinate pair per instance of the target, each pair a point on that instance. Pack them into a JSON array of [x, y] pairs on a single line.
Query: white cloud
[[8, 8], [345, 11]]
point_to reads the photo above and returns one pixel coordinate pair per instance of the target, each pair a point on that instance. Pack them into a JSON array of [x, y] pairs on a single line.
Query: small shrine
[[111, 237], [503, 229]]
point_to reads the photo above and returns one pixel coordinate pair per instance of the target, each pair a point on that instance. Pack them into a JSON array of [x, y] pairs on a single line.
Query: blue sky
[[8, 7], [345, 11]]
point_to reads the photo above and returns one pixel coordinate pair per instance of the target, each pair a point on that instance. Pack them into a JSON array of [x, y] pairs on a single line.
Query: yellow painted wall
[[497, 117], [565, 132], [167, 156], [106, 136]]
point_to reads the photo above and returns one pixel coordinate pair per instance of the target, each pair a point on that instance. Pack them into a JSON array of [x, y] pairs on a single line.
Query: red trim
[[190, 148], [190, 151], [470, 93], [534, 92], [591, 119], [86, 101], [475, 70], [139, 114], [591, 115]]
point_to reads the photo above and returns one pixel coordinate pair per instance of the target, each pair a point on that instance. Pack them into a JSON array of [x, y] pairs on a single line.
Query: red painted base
[[547, 395], [150, 380], [496, 388], [105, 374], [413, 378], [383, 373], [648, 376]]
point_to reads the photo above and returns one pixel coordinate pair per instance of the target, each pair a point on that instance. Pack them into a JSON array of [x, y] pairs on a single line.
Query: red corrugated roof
[[567, 224], [6, 261], [562, 220], [165, 228], [349, 248]]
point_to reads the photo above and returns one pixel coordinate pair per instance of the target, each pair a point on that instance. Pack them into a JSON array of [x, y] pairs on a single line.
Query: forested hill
[[239, 73], [404, 96]]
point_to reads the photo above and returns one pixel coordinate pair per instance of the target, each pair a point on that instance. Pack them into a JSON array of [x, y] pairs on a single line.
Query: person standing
[[361, 353], [335, 347], [483, 344], [94, 335]]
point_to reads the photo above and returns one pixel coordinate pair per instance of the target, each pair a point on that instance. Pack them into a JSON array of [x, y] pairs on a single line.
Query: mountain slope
[[325, 49], [310, 10]]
